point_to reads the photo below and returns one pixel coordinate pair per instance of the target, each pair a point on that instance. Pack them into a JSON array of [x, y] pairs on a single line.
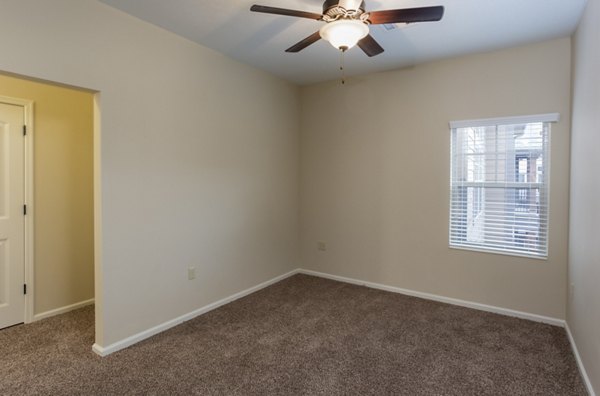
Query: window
[[499, 185]]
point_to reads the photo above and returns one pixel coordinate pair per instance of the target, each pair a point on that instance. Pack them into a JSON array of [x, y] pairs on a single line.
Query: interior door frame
[[28, 198]]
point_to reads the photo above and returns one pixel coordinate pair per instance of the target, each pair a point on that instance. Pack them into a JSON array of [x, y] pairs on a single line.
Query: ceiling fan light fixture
[[343, 34]]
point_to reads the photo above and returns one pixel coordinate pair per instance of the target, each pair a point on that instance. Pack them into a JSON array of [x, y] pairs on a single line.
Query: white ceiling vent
[[386, 27]]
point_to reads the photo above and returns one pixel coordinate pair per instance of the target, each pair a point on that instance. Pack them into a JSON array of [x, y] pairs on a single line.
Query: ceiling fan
[[347, 23]]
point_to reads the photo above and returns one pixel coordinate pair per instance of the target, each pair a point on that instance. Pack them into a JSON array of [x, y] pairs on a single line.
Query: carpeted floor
[[304, 335]]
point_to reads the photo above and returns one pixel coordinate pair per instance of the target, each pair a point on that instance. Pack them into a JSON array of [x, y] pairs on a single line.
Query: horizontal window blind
[[499, 187]]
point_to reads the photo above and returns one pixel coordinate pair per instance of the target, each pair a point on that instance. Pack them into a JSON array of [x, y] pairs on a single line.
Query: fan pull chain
[[342, 52]]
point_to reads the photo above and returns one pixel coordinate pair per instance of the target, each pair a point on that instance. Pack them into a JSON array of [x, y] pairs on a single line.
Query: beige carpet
[[304, 335]]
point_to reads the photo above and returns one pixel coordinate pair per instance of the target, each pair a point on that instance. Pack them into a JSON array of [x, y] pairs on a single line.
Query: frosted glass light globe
[[345, 33]]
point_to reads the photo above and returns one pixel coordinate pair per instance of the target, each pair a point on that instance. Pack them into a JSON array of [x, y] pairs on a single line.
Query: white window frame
[[488, 122]]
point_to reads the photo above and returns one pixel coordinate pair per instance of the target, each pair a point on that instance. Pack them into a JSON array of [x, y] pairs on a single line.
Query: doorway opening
[[47, 189]]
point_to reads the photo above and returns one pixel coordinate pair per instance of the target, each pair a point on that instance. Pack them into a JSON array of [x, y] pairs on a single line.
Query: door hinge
[[24, 130], [25, 209], [24, 288]]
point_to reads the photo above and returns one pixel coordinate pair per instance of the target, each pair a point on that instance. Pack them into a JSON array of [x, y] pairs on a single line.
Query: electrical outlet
[[321, 246], [191, 273]]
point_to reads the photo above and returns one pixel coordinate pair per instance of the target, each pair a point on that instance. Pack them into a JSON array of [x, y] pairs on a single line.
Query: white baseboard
[[62, 310], [104, 351], [434, 297], [107, 350], [582, 370]]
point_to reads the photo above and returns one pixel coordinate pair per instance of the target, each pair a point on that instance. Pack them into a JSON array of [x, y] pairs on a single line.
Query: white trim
[[28, 198], [550, 117], [62, 310], [435, 297], [29, 219], [104, 351], [582, 370], [98, 266]]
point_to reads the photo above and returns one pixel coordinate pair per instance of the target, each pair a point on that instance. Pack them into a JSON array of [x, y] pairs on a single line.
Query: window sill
[[502, 253]]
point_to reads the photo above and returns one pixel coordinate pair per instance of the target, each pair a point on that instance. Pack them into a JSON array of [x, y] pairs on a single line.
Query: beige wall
[[199, 159], [584, 250], [375, 157], [199, 166], [63, 188]]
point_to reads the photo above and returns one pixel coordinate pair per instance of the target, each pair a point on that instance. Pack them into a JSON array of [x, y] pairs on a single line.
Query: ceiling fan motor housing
[[333, 11]]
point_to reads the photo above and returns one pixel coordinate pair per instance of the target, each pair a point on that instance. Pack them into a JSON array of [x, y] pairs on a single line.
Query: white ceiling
[[260, 40]]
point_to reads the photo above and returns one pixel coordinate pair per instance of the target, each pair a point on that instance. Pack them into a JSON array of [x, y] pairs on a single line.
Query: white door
[[12, 220]]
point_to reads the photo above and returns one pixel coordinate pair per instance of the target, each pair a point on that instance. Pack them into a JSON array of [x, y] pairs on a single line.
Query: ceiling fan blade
[[370, 46], [407, 15], [299, 46], [285, 11]]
